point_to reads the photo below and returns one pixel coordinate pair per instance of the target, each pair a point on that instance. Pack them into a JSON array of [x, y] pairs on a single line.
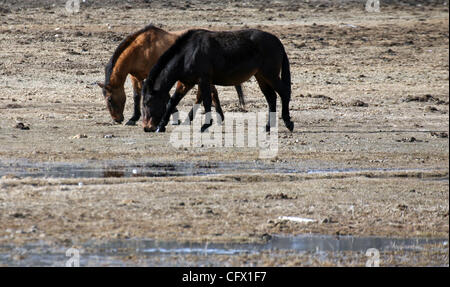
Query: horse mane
[[121, 48], [169, 54]]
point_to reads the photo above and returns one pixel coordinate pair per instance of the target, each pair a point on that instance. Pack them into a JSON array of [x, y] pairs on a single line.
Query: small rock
[[442, 135], [13, 106], [127, 202], [18, 215], [32, 229], [277, 196], [108, 136], [80, 136], [431, 109], [391, 52], [21, 126], [208, 211], [359, 103], [422, 99], [328, 220], [327, 98], [266, 237], [409, 140], [19, 257], [296, 219], [402, 207], [299, 45]]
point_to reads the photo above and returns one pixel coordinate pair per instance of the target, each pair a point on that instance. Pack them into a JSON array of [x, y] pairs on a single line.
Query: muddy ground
[[369, 94]]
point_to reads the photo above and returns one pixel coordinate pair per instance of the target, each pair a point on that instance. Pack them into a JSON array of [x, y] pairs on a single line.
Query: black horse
[[217, 58]]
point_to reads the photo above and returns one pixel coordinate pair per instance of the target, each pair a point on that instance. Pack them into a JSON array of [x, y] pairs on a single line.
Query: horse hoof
[[267, 129], [290, 126], [161, 130], [205, 127], [131, 123]]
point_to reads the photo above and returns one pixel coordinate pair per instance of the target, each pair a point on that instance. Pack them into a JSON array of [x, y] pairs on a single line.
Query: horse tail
[[286, 72]]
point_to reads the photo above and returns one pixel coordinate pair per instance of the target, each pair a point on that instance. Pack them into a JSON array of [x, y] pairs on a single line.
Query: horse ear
[[101, 85]]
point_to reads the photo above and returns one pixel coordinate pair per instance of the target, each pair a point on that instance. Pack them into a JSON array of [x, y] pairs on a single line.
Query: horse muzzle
[[119, 120], [149, 127]]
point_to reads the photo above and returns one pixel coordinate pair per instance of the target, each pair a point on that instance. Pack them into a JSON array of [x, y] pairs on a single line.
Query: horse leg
[[241, 97], [137, 87], [175, 118], [193, 111], [271, 98], [205, 90], [285, 95], [216, 103], [180, 89], [180, 92]]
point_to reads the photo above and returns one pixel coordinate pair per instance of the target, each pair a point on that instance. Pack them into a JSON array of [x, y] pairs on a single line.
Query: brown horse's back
[[145, 51]]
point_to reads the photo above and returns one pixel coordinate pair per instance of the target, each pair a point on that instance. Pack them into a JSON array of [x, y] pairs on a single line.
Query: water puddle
[[293, 243], [159, 253], [111, 169]]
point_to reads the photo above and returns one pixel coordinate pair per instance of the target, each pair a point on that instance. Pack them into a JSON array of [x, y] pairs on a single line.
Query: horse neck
[[167, 80], [120, 72]]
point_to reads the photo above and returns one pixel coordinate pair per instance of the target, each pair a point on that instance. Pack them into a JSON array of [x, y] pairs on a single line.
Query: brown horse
[[136, 55]]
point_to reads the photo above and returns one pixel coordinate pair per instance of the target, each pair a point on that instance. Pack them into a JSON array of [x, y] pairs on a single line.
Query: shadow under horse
[[211, 58], [135, 56]]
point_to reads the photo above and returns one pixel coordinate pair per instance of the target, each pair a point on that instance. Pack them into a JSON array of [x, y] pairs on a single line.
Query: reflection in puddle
[[172, 253], [110, 169]]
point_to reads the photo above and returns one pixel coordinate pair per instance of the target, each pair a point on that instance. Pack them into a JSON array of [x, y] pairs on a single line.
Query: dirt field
[[370, 102]]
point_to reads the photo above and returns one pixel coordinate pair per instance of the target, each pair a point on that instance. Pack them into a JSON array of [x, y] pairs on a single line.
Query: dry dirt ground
[[370, 93]]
